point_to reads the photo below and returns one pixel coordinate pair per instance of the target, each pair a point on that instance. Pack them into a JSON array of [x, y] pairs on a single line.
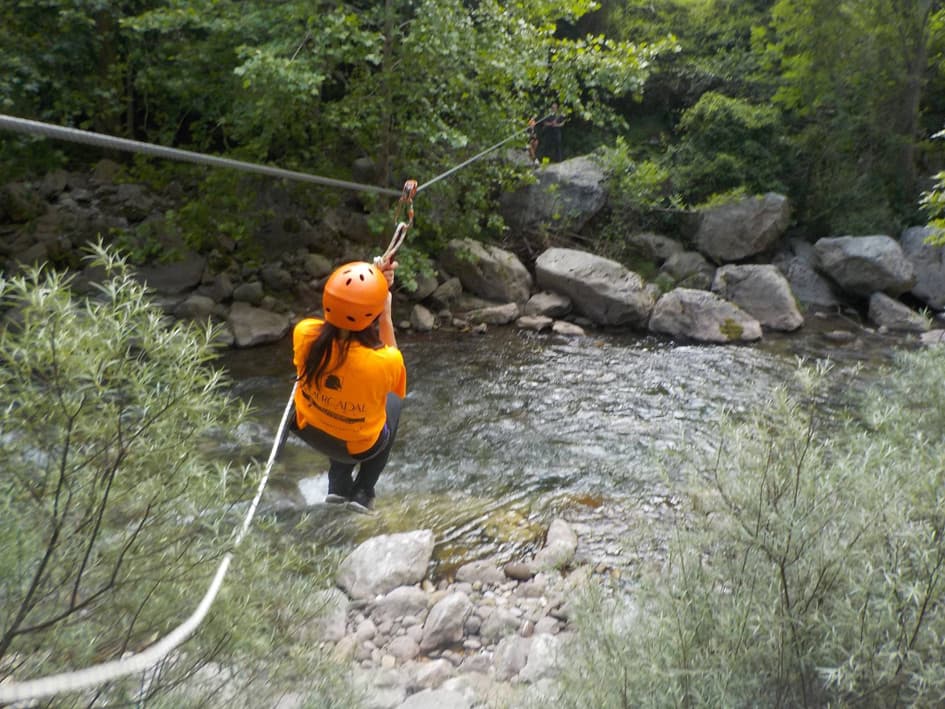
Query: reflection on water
[[503, 431]]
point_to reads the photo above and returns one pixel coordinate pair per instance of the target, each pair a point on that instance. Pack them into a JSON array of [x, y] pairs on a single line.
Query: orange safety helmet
[[354, 295]]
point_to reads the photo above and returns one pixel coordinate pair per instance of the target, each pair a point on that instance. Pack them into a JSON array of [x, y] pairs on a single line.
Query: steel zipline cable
[[74, 135], [22, 691]]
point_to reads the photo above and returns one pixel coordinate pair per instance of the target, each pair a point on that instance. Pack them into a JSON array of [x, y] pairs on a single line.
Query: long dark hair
[[318, 362]]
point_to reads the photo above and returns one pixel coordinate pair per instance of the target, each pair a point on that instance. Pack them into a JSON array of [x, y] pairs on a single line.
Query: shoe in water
[[333, 499], [362, 503]]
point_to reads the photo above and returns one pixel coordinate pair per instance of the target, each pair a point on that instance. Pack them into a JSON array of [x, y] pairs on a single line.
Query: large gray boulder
[[560, 547], [703, 316], [762, 292], [929, 264], [889, 314], [798, 263], [445, 622], [565, 196], [737, 230], [382, 563], [175, 277], [487, 271], [255, 326], [689, 269], [600, 289], [862, 265]]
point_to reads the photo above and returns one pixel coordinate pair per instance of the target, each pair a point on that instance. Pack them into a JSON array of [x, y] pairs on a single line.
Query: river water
[[504, 431]]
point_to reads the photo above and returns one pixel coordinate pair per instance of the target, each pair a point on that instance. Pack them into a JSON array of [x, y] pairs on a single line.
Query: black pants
[[342, 463]]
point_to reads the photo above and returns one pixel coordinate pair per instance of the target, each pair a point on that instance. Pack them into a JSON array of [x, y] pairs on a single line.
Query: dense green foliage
[[414, 87], [115, 515], [831, 102], [811, 568]]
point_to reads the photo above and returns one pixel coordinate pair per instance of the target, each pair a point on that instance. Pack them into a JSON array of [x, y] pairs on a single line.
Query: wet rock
[[546, 304], [484, 571], [511, 654], [487, 271], [494, 314], [863, 265], [568, 329], [689, 269], [601, 289], [401, 603], [444, 624], [762, 292], [703, 316], [536, 323], [383, 563], [519, 571], [251, 292], [176, 277], [747, 227], [929, 264], [889, 313], [559, 548], [253, 326]]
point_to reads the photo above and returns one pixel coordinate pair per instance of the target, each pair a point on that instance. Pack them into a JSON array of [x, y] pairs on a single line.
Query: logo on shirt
[[333, 381]]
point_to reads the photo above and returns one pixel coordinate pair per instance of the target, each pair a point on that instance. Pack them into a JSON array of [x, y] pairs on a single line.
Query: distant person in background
[[532, 141], [553, 130]]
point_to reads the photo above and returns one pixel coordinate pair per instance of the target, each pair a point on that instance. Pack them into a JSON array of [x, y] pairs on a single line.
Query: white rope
[[22, 125], [138, 662]]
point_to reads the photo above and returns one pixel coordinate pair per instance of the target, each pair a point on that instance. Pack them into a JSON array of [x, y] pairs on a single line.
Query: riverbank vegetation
[[832, 104], [811, 570], [116, 512]]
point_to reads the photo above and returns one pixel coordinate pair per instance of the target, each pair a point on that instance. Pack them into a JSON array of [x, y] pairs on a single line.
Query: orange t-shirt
[[350, 401]]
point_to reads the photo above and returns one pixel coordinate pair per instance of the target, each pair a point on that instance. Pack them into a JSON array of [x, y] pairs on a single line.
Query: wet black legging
[[342, 463]]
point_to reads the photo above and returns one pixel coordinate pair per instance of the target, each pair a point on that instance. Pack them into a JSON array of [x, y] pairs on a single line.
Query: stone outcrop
[[700, 315], [487, 271], [475, 286], [762, 292], [863, 265], [889, 314], [254, 326], [563, 198], [928, 263], [689, 269], [798, 263], [743, 228], [383, 563], [600, 289]]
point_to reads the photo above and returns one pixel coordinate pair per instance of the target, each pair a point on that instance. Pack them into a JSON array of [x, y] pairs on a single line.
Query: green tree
[[851, 78]]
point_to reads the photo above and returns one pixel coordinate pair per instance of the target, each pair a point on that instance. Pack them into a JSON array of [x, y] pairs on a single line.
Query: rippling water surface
[[503, 431]]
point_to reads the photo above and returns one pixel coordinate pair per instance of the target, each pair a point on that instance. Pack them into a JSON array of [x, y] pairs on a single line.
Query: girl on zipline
[[352, 380]]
